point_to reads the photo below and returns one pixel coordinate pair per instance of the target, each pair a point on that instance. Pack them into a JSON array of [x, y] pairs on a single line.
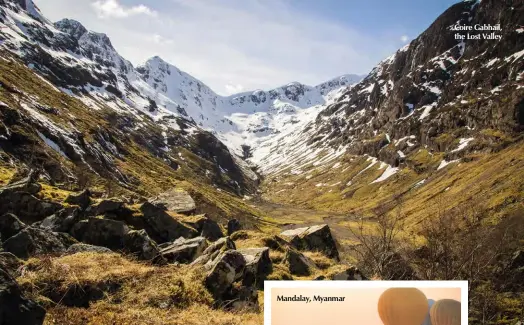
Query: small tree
[[381, 251]]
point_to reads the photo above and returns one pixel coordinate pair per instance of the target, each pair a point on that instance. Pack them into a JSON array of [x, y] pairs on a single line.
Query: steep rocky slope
[[425, 120]]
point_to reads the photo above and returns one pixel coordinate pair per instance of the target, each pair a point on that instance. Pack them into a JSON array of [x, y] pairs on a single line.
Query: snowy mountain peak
[[71, 27]]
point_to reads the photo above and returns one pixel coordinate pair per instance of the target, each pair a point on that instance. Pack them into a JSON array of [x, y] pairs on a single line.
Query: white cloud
[[404, 38], [113, 9], [254, 43], [233, 89]]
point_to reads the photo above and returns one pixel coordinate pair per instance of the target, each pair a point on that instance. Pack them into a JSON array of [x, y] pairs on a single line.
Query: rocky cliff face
[[436, 85]]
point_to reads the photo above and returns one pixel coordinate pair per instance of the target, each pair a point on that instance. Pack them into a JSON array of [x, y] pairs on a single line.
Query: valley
[[136, 194]]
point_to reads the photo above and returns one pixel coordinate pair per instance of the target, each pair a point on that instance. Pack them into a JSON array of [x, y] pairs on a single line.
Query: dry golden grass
[[146, 294], [104, 313]]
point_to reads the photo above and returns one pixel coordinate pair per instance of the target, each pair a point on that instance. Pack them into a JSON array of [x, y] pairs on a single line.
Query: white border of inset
[[462, 285]]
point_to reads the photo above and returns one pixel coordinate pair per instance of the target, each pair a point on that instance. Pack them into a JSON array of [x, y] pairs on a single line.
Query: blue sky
[[238, 45]]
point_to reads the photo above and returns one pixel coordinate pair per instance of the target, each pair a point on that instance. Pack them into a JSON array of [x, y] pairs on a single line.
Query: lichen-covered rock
[[32, 241], [176, 200], [62, 221], [102, 232], [228, 269], [258, 266], [207, 228], [15, 309], [213, 251], [138, 243], [298, 263], [184, 250], [314, 238], [162, 227]]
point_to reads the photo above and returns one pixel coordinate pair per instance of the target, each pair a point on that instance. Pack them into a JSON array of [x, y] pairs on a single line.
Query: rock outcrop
[[258, 266], [184, 250], [101, 232], [314, 238], [176, 200], [33, 241], [298, 263], [138, 243], [162, 227]]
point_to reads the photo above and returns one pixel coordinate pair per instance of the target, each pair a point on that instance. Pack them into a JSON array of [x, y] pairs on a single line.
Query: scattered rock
[[228, 269], [208, 228], [314, 238], [232, 226], [108, 206], [14, 308], [298, 263], [32, 241], [26, 207], [213, 251], [62, 221], [352, 273], [137, 242], [176, 200], [162, 227], [258, 266], [102, 232], [82, 199], [81, 248], [10, 225], [184, 250]]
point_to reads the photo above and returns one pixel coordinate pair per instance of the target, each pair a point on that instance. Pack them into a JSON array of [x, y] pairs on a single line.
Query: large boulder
[[351, 273], [101, 232], [82, 199], [62, 221], [32, 241], [84, 248], [258, 266], [207, 228], [108, 206], [213, 251], [228, 269], [176, 200], [138, 243], [184, 250], [314, 238], [298, 263], [162, 227], [15, 309], [10, 225], [233, 225]]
